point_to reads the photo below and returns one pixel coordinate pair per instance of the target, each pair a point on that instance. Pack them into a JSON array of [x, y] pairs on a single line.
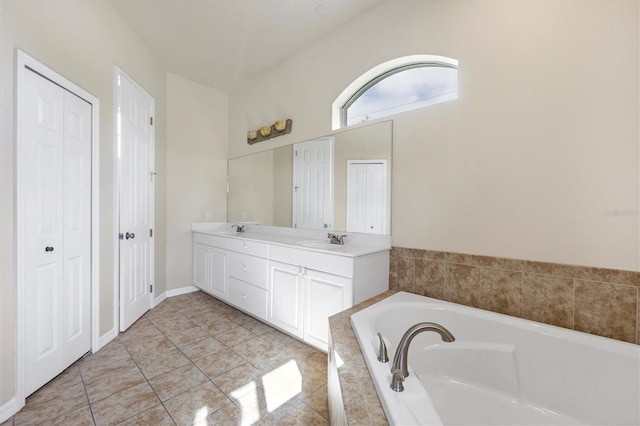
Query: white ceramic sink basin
[[323, 245]]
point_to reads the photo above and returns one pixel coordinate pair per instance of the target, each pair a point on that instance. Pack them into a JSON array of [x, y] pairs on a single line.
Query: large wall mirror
[[339, 182]]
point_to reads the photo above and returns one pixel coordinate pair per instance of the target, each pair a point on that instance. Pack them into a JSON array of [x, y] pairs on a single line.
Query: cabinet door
[[325, 295], [200, 266], [285, 297], [218, 272]]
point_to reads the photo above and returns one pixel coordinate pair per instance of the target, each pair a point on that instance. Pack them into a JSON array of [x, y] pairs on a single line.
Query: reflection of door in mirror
[[313, 184], [366, 196]]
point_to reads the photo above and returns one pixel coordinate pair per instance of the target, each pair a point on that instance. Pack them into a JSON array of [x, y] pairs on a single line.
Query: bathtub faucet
[[399, 369]]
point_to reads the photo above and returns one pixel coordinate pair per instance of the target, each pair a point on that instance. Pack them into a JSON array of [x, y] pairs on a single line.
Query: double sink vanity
[[292, 279]]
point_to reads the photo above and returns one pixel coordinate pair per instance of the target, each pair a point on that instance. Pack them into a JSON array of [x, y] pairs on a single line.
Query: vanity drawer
[[247, 297], [210, 240], [331, 263], [249, 247], [251, 269]]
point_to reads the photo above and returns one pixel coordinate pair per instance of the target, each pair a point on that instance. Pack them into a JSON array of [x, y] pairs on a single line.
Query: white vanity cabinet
[[210, 264], [289, 286], [301, 300]]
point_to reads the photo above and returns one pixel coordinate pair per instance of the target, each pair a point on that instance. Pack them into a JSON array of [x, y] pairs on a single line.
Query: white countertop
[[312, 240]]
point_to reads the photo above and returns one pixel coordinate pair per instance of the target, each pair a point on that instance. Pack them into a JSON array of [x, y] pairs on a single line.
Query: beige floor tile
[[202, 348], [68, 378], [113, 381], [196, 404], [219, 363], [174, 324], [262, 353], [318, 400], [142, 329], [253, 325], [97, 369], [156, 364], [269, 377], [39, 408], [8, 422], [188, 336], [175, 382], [239, 381], [229, 415], [80, 417], [149, 346], [156, 416], [296, 413], [217, 325], [250, 409], [235, 336], [124, 405]]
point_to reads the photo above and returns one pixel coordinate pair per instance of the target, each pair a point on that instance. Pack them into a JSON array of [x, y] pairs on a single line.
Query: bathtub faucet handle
[[383, 356], [397, 381]]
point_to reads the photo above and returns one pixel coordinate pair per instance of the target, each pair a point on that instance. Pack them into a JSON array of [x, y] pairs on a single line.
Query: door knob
[[128, 236], [48, 248]]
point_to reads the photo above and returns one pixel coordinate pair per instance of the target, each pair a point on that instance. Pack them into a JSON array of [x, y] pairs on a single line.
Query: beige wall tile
[[501, 292], [605, 309], [548, 299], [582, 272], [429, 278], [405, 274], [462, 284]]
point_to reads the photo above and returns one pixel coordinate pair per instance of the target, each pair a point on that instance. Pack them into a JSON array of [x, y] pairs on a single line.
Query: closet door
[[56, 191]]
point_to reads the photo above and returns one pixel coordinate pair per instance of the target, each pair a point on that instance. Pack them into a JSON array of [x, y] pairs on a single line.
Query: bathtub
[[500, 370]]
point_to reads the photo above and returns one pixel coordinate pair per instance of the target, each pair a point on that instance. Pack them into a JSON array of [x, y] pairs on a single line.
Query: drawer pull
[[244, 296], [244, 267]]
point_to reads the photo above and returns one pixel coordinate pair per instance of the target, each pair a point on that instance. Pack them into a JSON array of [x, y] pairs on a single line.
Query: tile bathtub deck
[[190, 360]]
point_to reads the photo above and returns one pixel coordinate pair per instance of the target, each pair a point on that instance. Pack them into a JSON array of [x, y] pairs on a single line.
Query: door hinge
[[151, 232], [151, 121], [121, 236], [150, 288]]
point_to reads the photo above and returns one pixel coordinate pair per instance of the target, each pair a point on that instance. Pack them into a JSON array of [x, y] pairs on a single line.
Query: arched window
[[395, 86]]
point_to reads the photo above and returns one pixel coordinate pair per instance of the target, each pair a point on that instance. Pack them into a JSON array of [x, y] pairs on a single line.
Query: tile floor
[[190, 360]]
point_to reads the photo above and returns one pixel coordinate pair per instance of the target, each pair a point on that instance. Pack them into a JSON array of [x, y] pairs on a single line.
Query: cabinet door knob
[[244, 296], [244, 267], [129, 235], [49, 248]]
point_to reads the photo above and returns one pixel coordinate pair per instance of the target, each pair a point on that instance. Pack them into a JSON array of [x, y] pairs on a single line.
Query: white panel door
[[136, 165], [57, 198], [366, 196], [313, 184]]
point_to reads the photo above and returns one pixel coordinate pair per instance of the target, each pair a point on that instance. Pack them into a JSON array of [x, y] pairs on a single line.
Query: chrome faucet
[[336, 239], [399, 369], [239, 228]]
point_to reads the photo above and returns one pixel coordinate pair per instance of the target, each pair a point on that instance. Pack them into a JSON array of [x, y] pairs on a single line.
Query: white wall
[[538, 159], [81, 40], [196, 169]]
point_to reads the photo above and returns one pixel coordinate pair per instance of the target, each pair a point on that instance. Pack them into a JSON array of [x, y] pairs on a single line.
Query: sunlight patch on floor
[[282, 384], [200, 418]]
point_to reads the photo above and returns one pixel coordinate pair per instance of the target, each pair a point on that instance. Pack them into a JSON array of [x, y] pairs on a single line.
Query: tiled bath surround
[[599, 301]]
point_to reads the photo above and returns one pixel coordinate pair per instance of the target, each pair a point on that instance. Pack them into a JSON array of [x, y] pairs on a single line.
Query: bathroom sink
[[323, 245]]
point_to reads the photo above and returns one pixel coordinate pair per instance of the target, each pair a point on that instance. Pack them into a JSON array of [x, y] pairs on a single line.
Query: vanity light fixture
[[279, 128]]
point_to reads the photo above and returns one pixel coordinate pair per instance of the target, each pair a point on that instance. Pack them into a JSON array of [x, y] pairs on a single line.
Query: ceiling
[[220, 43]]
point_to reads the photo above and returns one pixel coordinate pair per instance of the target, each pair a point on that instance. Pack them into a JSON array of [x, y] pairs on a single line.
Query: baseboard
[[9, 409], [158, 300], [106, 338], [182, 290]]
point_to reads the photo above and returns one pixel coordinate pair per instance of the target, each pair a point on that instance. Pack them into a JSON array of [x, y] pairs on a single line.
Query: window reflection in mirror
[[261, 185]]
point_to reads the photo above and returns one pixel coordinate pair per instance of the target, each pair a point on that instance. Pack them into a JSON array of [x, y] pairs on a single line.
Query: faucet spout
[[402, 352]]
